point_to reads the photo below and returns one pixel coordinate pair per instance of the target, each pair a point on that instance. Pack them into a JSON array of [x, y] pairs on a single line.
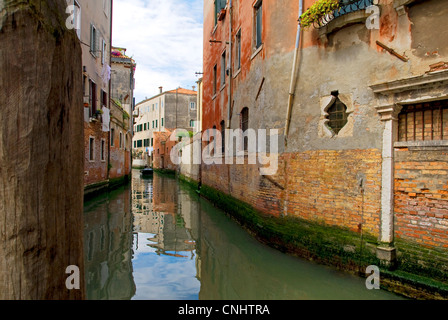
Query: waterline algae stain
[[157, 239]]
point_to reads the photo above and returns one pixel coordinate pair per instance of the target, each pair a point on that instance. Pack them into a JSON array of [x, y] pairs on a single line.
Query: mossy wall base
[[339, 247]]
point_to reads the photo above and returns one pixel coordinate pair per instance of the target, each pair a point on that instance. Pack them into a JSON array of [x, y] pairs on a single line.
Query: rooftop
[[179, 91]]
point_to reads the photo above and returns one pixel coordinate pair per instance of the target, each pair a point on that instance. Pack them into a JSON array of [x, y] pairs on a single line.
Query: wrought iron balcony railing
[[346, 6]]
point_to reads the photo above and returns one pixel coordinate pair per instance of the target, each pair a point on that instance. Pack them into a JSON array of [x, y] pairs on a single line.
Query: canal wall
[[96, 189], [330, 245], [333, 232], [361, 115]]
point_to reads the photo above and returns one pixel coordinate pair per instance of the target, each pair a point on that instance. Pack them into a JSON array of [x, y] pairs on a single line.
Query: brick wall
[[95, 171], [318, 186], [162, 150], [421, 196], [324, 186]]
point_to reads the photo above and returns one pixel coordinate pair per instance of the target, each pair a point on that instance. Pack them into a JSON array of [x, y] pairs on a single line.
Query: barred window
[[337, 115], [424, 121]]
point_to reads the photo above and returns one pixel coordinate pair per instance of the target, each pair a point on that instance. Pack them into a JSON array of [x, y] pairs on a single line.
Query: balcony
[[323, 12], [349, 12], [345, 7]]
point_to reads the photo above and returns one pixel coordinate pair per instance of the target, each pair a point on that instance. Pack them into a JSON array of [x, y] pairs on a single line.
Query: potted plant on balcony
[[317, 11]]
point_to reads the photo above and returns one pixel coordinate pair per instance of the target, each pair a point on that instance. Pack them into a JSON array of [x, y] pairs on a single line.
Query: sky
[[164, 37]]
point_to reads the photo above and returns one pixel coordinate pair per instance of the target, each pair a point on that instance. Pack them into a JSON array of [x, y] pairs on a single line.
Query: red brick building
[[96, 32], [360, 100], [162, 150]]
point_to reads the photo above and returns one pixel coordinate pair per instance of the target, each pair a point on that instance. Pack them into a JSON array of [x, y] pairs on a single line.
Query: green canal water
[[156, 239]]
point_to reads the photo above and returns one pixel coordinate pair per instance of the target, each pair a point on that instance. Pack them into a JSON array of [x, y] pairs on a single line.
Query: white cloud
[[165, 39]]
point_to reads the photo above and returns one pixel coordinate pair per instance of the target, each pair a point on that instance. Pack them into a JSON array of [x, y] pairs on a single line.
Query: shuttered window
[[219, 5], [93, 40]]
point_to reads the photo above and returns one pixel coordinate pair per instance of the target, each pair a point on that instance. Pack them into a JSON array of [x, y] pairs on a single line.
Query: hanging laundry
[[105, 73], [106, 119]]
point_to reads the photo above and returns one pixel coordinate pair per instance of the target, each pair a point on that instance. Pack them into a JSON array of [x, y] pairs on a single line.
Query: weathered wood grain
[[41, 151]]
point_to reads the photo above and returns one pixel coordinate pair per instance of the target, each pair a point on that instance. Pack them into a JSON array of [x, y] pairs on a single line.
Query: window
[[144, 127], [112, 137], [139, 143], [219, 5], [215, 84], [238, 50], [337, 115], [84, 84], [93, 40], [258, 26], [223, 137], [121, 140], [92, 149], [103, 150], [152, 142], [424, 122], [103, 99], [192, 123], [157, 122], [92, 97], [214, 141], [161, 122], [223, 69], [103, 51], [245, 126], [146, 143], [106, 7], [192, 105], [77, 19]]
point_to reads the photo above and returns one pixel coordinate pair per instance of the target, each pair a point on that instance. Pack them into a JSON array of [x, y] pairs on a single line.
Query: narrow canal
[[157, 239]]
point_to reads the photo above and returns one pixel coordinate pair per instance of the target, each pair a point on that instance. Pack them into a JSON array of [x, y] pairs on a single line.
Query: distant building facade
[[172, 109], [94, 24], [122, 102], [107, 113]]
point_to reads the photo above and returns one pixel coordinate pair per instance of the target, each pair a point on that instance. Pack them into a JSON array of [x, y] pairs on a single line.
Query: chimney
[[161, 89], [194, 87]]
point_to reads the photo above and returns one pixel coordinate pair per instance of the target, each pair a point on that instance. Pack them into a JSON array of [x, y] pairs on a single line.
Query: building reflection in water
[[165, 249], [108, 247], [177, 246]]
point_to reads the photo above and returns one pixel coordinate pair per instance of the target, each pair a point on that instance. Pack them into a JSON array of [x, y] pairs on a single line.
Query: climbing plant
[[319, 9]]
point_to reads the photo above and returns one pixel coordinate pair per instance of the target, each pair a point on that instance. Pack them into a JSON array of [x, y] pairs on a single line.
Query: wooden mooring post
[[41, 152]]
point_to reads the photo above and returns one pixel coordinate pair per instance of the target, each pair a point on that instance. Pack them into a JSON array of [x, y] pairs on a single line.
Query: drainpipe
[[110, 88], [293, 75], [230, 65]]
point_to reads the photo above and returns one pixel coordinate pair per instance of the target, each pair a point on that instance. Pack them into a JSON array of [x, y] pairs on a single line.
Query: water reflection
[[165, 256], [108, 247], [177, 246]]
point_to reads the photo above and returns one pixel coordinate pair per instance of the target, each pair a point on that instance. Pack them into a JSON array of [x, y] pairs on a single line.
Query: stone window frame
[[391, 96], [325, 104]]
